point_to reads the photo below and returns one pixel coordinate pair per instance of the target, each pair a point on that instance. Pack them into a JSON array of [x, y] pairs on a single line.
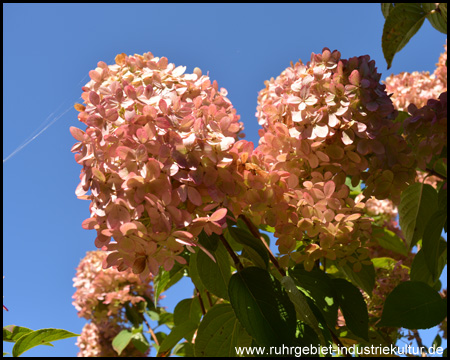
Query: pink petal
[[194, 196], [78, 134], [218, 215], [329, 188], [125, 228], [183, 235]]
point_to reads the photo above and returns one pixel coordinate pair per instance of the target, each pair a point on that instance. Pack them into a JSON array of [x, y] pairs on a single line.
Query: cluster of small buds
[[159, 156], [102, 293], [418, 87], [426, 129], [96, 339], [321, 123]]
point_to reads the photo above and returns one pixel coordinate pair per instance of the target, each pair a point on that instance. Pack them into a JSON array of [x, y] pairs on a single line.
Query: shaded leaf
[[402, 22], [353, 307], [419, 267], [215, 275], [437, 16], [302, 308], [431, 239], [177, 333], [262, 307], [417, 203], [318, 286], [413, 305], [219, 333]]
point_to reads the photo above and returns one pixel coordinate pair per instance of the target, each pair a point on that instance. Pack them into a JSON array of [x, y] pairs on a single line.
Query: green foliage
[[26, 339], [262, 307], [418, 203], [403, 20], [413, 305], [353, 307], [219, 333]]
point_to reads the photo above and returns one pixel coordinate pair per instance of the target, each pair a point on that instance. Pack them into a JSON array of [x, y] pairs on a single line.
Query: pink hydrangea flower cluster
[[426, 129], [102, 293], [376, 207], [341, 120], [418, 87], [159, 156], [96, 339], [101, 297], [322, 122], [423, 177]]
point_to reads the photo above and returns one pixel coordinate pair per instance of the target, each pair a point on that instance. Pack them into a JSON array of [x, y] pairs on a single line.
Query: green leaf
[[177, 333], [353, 307], [389, 240], [386, 8], [39, 337], [302, 308], [183, 349], [219, 333], [160, 282], [12, 333], [386, 263], [209, 242], [354, 190], [133, 315], [140, 342], [318, 286], [187, 310], [262, 307], [256, 251], [121, 340], [306, 336], [430, 241], [165, 318], [417, 203], [364, 279], [402, 22], [437, 16], [215, 275], [193, 272], [413, 305]]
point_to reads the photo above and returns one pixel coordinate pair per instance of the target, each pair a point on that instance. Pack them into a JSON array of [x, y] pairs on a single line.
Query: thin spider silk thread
[[33, 137]]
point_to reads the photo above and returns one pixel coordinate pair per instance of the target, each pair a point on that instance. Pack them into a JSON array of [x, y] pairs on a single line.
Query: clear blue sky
[[48, 51]]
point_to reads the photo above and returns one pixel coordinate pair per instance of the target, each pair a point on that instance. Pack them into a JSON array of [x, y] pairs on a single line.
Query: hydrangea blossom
[[426, 129], [418, 87], [322, 122], [159, 157], [102, 293], [96, 339], [340, 119]]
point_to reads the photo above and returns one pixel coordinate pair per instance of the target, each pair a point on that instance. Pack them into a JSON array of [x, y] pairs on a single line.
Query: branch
[[420, 343], [200, 300], [254, 230], [433, 172], [150, 330], [233, 255]]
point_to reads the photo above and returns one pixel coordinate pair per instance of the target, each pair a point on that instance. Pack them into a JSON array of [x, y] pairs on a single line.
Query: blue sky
[[48, 50]]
